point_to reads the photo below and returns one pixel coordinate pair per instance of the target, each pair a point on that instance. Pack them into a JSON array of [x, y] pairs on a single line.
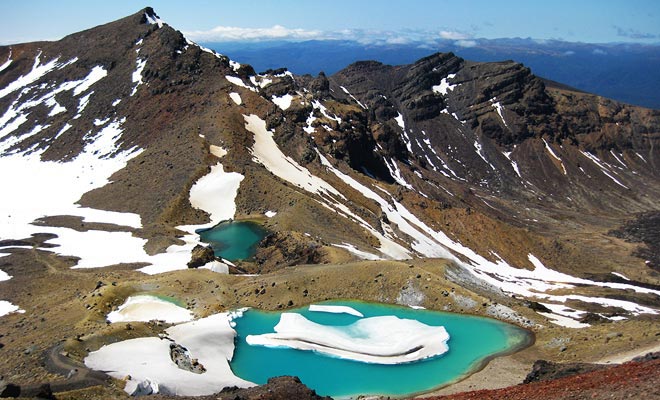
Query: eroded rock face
[[287, 248]]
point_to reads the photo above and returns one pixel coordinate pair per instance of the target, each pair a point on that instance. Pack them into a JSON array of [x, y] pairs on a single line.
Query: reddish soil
[[633, 380]]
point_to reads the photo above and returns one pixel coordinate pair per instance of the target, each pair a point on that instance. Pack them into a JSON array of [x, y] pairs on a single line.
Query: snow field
[[148, 362]]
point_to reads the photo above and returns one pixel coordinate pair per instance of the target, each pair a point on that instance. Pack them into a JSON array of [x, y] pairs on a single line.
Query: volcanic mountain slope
[[118, 142], [481, 163]]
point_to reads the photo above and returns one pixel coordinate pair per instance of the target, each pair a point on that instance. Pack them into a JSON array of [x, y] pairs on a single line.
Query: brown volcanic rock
[[278, 388], [201, 255], [282, 249], [644, 229], [546, 371], [633, 380]]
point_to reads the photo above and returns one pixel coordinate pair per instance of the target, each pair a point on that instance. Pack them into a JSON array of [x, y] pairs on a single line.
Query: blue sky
[[392, 21]]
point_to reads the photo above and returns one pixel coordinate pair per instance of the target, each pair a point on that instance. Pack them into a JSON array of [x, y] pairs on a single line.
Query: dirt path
[[629, 355], [76, 375]]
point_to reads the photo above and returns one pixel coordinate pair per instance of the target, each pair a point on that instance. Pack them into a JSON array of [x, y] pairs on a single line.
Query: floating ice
[[335, 309], [378, 340]]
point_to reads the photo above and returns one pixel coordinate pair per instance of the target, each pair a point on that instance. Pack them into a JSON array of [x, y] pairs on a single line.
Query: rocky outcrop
[[201, 255], [181, 357], [281, 249], [545, 370], [278, 388], [644, 229]]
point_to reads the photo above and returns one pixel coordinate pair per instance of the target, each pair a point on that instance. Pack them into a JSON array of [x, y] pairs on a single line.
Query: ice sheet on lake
[[335, 309], [379, 340]]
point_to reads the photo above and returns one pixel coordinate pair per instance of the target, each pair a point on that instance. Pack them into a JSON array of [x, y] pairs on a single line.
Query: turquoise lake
[[473, 340], [235, 240]]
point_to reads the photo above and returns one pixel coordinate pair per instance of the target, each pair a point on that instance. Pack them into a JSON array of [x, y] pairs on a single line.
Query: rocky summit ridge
[[517, 181]]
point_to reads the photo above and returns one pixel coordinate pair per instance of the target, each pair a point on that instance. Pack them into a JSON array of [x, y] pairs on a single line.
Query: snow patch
[[444, 87], [6, 63], [96, 74], [236, 98], [620, 276], [270, 214], [234, 65], [395, 173], [147, 308], [147, 360], [215, 193], [352, 97], [357, 252], [267, 153], [8, 308], [479, 149], [283, 102], [136, 77], [153, 19], [239, 82], [514, 164], [603, 168], [260, 81], [555, 156], [56, 108], [37, 72], [317, 105], [498, 107]]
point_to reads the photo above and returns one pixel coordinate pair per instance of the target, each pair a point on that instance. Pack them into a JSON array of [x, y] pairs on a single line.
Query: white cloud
[[367, 37], [453, 35], [398, 40], [465, 43], [232, 33]]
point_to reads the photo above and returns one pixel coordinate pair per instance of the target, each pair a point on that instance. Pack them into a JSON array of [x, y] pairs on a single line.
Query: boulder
[[200, 256]]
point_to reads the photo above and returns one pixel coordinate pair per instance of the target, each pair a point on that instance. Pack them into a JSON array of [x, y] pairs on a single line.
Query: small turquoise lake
[[234, 240], [473, 341]]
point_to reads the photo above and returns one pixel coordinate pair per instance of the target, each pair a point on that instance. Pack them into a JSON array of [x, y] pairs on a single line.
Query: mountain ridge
[[619, 71]]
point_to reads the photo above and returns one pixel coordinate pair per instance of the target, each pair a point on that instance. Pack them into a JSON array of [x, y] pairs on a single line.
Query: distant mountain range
[[625, 72]]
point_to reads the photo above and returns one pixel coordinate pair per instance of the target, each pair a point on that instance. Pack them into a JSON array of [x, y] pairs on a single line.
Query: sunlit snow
[[136, 77], [38, 71], [380, 340], [444, 85], [283, 102], [236, 98], [147, 308], [147, 360]]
